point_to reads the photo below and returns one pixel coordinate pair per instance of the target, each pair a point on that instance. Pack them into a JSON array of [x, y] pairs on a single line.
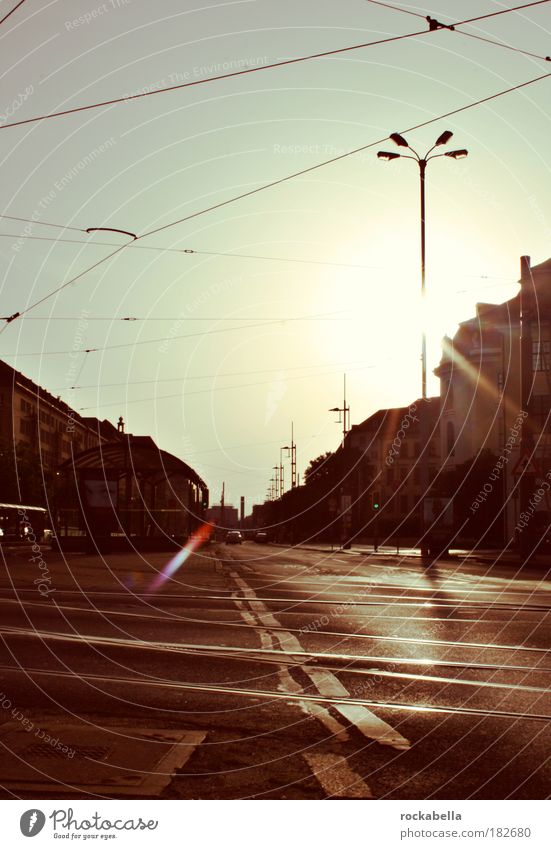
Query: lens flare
[[197, 539]]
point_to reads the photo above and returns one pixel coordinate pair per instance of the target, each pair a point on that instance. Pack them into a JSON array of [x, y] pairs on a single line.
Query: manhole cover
[[108, 761]]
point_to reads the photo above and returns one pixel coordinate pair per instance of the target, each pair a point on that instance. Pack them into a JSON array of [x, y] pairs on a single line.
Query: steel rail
[[274, 695], [294, 658]]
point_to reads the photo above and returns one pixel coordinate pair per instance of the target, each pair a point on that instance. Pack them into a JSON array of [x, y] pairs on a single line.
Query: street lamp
[[422, 161], [283, 448], [345, 409], [276, 480]]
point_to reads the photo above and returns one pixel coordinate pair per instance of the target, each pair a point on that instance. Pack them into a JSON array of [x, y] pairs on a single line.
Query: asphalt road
[[262, 672]]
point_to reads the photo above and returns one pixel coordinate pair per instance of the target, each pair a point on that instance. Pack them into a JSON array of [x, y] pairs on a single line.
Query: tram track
[[298, 658], [274, 695]]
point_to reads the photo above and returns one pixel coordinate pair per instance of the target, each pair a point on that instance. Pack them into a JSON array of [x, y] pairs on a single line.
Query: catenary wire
[[493, 41], [348, 153], [277, 182], [42, 223], [264, 323], [5, 18], [189, 251], [341, 365], [270, 66], [212, 390], [192, 251], [502, 12], [241, 72]]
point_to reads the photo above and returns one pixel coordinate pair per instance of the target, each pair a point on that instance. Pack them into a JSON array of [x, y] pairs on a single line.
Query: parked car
[[234, 538], [261, 537]]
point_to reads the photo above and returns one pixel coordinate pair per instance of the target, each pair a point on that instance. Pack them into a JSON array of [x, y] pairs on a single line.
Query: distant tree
[[319, 469]]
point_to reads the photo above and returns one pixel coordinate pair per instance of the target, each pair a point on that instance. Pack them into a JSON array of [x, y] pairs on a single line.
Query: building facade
[[32, 418], [480, 386], [389, 448]]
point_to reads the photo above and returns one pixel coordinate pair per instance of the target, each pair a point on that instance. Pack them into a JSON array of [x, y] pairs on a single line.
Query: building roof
[[135, 455], [394, 414], [12, 377]]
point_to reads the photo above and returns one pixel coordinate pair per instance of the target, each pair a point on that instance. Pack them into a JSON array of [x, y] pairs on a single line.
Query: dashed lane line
[[336, 777], [325, 682], [289, 685]]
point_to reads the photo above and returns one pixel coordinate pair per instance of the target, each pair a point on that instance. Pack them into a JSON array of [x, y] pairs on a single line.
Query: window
[[540, 406], [26, 428], [450, 439], [540, 355]]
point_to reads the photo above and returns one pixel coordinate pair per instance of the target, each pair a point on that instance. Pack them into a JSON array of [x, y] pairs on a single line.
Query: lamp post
[[283, 448], [276, 481], [293, 458], [344, 410], [422, 162]]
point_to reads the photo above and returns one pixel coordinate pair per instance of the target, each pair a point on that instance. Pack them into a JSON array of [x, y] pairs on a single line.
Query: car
[[261, 537], [234, 538]]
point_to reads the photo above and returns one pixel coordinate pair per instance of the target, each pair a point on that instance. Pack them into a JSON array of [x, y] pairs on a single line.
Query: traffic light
[[375, 502]]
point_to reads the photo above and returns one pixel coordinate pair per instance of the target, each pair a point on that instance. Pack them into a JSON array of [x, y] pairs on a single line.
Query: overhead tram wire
[[348, 153], [273, 183], [196, 252], [485, 39], [212, 331], [271, 66], [211, 390], [5, 18], [468, 20], [180, 378], [193, 251], [189, 251], [503, 12], [42, 224], [243, 71]]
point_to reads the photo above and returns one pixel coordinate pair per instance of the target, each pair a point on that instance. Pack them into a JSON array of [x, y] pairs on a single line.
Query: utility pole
[[293, 459], [222, 505]]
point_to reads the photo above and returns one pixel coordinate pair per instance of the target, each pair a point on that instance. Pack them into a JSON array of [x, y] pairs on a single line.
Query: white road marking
[[336, 777], [289, 685], [325, 682]]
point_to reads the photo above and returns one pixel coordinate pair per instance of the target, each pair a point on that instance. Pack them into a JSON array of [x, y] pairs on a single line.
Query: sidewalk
[[498, 561]]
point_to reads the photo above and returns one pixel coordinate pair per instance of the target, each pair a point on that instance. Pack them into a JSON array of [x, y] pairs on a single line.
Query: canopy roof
[[138, 455]]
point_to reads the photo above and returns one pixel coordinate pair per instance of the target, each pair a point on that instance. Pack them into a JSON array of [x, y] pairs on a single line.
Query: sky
[[227, 350]]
